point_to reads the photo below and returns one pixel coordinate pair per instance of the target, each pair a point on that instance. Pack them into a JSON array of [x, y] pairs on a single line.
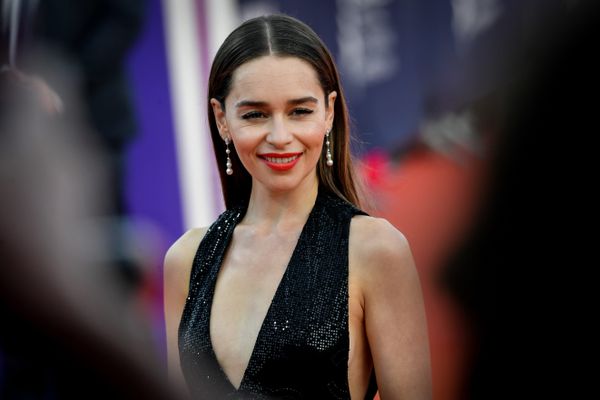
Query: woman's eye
[[301, 111], [253, 115]]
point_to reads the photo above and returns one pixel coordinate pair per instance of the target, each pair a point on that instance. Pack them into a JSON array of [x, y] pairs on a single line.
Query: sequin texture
[[301, 351]]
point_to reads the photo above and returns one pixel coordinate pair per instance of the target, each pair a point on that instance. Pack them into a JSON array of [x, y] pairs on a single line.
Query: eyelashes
[[302, 111], [297, 112], [253, 115]]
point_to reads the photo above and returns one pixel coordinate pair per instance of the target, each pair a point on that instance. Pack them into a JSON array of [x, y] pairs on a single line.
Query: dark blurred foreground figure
[[95, 37], [519, 274], [71, 328]]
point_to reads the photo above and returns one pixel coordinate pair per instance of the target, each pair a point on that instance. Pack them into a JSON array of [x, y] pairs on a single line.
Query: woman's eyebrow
[[307, 99], [253, 103], [250, 103]]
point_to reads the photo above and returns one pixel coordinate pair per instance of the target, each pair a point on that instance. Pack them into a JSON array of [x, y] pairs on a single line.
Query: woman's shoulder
[[188, 242], [183, 251], [378, 246], [180, 256]]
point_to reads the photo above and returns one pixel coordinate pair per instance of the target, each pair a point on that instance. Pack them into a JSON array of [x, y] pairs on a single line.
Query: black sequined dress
[[301, 351]]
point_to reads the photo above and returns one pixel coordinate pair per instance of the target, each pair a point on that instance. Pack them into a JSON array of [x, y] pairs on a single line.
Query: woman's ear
[[330, 113], [219, 113]]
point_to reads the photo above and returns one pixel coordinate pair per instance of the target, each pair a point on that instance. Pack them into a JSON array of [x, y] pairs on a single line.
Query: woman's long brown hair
[[284, 36]]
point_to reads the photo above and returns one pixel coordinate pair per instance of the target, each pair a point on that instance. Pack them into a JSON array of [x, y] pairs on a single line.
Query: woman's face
[[276, 117]]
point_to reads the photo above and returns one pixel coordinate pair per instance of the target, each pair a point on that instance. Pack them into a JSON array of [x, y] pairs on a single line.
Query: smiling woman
[[293, 292], [277, 122]]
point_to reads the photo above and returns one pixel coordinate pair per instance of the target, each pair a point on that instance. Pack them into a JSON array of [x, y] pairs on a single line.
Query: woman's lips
[[280, 161]]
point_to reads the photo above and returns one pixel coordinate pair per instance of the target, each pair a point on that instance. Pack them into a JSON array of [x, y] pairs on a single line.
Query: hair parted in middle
[[284, 36]]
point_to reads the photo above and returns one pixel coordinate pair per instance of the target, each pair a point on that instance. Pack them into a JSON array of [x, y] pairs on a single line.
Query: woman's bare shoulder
[[179, 257], [378, 246], [394, 314]]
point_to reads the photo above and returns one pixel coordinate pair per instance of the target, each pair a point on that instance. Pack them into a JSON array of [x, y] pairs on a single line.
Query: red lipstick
[[280, 161]]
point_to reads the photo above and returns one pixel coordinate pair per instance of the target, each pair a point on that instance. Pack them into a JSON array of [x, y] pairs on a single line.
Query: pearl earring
[[328, 155], [228, 169]]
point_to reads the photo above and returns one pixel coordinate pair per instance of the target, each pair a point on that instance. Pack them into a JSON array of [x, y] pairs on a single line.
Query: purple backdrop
[[152, 180], [152, 186]]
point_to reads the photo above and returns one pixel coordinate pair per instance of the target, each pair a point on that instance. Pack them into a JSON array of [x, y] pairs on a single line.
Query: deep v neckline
[[276, 294]]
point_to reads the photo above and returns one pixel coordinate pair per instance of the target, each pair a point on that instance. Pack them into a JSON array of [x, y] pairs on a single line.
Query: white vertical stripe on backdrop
[[223, 16], [188, 85]]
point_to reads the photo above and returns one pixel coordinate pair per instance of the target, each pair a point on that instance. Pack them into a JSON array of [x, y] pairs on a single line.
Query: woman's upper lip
[[279, 155]]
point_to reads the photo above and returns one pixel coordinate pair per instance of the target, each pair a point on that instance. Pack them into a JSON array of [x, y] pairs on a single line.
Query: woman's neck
[[268, 209]]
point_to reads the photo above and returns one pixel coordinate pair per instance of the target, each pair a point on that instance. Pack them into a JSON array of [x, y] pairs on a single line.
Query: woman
[[293, 292]]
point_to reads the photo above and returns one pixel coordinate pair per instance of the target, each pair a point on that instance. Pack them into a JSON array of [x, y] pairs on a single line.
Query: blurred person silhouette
[[15, 18], [518, 274], [92, 39], [95, 37], [71, 327]]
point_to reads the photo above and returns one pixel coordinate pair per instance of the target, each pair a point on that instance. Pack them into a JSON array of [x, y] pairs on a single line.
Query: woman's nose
[[279, 134]]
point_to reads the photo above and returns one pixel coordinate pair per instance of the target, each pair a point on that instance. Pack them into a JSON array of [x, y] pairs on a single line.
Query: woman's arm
[[394, 313], [177, 268]]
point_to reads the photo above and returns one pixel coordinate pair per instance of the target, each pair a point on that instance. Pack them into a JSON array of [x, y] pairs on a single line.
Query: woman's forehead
[[275, 77]]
